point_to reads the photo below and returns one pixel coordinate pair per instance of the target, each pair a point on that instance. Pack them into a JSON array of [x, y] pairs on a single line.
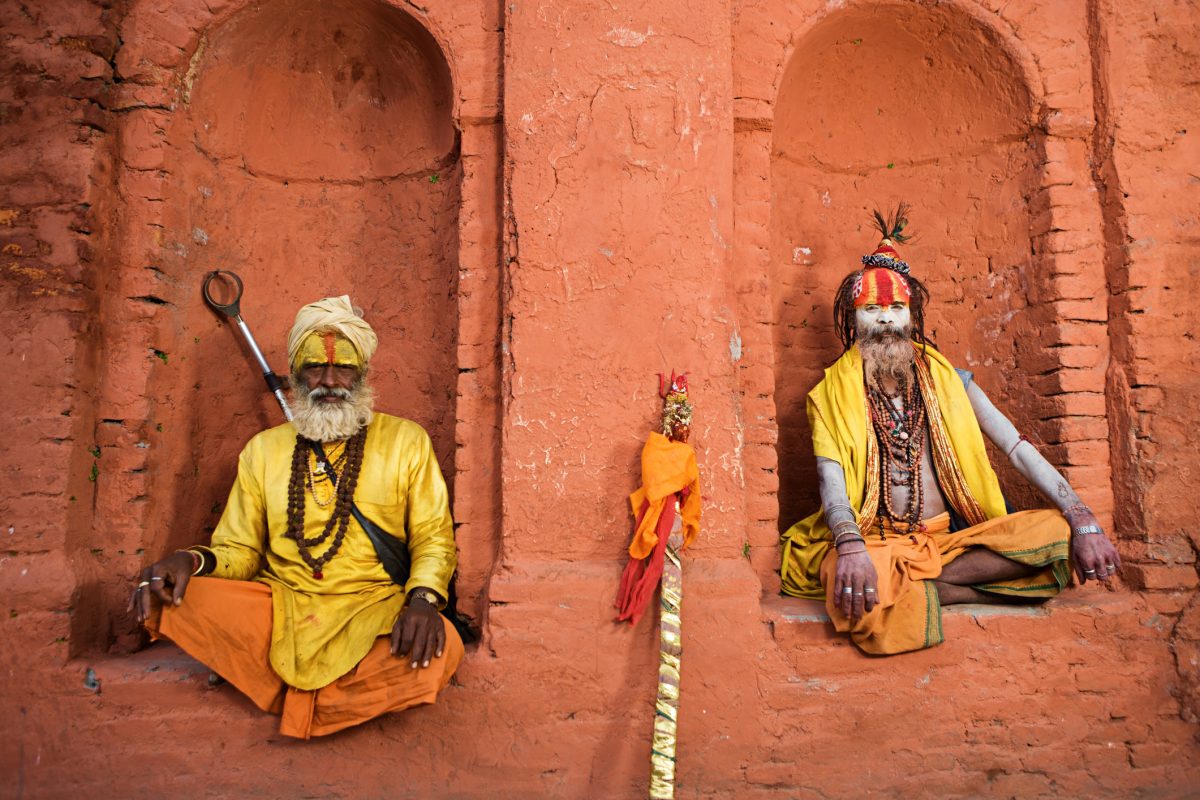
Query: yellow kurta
[[323, 628]]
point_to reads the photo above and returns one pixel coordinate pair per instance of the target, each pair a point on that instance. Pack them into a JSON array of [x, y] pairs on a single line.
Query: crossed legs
[[977, 565]]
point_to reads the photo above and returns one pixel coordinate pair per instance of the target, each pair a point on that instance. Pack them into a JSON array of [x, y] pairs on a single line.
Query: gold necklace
[[318, 474]]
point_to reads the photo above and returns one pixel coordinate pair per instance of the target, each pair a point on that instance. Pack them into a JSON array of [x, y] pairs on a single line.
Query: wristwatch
[[428, 595], [1084, 530]]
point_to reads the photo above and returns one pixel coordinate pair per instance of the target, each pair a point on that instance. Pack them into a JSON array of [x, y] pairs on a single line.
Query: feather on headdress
[[892, 228]]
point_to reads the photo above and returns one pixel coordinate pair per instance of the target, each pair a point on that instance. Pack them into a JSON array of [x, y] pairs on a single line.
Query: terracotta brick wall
[[622, 189]]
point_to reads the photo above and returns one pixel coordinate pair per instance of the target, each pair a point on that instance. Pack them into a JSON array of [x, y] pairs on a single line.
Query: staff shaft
[[666, 705]]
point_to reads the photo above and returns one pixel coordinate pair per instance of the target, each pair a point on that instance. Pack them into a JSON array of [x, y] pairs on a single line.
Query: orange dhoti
[[908, 615], [226, 625]]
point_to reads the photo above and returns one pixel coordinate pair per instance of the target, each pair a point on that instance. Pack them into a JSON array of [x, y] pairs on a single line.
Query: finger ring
[[847, 590], [156, 579], [143, 584], [869, 590], [1110, 567], [858, 594], [1089, 572]]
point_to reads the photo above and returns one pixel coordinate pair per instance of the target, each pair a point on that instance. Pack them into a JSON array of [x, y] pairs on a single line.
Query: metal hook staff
[[232, 309]]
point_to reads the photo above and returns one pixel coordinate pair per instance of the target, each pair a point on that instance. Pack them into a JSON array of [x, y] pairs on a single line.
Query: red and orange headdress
[[883, 280]]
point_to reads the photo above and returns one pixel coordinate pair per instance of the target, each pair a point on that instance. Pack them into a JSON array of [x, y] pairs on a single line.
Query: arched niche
[[315, 155], [900, 101]]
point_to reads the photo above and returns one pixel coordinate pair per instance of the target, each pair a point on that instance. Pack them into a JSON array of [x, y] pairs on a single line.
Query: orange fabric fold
[[669, 472], [226, 625], [667, 468], [909, 616]]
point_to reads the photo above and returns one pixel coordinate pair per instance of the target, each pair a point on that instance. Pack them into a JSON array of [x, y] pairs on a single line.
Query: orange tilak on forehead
[[327, 347]]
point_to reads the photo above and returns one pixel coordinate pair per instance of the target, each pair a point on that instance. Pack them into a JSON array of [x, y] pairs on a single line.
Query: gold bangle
[[197, 561]]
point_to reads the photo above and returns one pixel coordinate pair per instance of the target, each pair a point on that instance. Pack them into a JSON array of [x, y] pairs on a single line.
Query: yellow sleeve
[[238, 541], [430, 527], [824, 445]]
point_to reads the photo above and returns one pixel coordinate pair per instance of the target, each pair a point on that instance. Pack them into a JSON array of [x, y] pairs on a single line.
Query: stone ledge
[[796, 618]]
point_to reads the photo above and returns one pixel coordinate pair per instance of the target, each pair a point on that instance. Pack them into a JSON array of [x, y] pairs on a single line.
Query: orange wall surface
[[541, 206]]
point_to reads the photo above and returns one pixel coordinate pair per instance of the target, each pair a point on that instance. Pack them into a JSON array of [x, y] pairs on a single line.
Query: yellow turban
[[334, 314]]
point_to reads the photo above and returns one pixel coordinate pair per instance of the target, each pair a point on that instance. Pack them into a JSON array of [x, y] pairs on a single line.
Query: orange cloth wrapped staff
[[668, 511]]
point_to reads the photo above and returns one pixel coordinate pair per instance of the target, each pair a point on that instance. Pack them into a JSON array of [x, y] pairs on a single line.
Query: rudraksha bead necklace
[[901, 434], [339, 520]]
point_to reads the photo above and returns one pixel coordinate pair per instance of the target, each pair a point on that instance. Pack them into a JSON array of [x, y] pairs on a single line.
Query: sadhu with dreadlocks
[[298, 610], [912, 517]]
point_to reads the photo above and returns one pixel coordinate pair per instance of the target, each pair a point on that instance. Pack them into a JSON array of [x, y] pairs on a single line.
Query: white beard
[[886, 356], [319, 421]]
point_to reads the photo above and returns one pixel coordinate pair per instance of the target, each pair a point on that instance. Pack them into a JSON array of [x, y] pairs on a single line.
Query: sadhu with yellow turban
[[912, 517], [290, 602]]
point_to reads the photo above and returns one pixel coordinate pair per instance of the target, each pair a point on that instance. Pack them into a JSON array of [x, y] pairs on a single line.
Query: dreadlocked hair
[[843, 311]]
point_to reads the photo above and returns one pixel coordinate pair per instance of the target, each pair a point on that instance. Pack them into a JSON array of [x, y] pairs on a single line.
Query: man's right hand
[[856, 584], [174, 571]]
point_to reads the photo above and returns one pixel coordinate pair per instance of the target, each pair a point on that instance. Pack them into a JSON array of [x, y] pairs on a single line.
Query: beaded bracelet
[[1078, 508]]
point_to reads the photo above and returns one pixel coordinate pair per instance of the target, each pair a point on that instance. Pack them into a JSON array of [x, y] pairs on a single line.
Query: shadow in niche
[[315, 155], [884, 102]]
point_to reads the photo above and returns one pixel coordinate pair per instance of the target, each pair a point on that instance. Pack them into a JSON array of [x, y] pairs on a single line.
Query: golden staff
[[667, 522], [666, 705]]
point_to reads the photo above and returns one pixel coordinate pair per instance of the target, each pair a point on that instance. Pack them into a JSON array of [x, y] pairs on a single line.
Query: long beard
[[319, 421], [887, 353]]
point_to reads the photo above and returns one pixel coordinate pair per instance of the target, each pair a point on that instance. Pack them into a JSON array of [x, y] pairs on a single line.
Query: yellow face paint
[[327, 347]]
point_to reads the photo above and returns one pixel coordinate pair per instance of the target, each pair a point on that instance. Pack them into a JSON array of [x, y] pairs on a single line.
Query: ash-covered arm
[[834, 497], [1094, 556], [1023, 455], [855, 578]]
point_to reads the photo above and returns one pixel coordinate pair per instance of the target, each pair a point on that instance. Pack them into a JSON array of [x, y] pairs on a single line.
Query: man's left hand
[[1094, 556], [419, 631]]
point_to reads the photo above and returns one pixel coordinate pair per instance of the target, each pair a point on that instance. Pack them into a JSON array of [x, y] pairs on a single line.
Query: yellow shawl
[[841, 429]]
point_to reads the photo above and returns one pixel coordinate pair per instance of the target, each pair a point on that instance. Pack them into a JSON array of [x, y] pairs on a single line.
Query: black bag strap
[[396, 560]]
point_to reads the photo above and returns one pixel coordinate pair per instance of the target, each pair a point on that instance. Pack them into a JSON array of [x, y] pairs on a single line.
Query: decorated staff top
[[677, 410]]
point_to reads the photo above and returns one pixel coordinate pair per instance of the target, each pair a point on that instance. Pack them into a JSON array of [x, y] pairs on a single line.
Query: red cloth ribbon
[[642, 575]]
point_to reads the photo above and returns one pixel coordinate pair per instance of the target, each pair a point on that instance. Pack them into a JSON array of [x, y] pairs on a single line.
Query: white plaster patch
[[624, 37], [826, 200], [200, 236], [735, 347], [800, 255]]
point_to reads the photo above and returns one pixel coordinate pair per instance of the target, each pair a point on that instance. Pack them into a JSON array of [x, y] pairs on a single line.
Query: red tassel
[[640, 579]]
